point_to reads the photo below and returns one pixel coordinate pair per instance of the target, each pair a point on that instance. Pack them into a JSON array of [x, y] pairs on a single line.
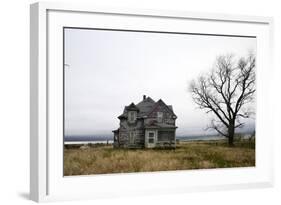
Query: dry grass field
[[104, 159]]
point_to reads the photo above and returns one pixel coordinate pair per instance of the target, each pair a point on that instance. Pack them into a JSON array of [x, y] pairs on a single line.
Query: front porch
[[160, 138]]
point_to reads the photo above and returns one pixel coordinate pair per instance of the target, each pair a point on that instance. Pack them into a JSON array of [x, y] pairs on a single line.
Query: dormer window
[[160, 116], [132, 116]]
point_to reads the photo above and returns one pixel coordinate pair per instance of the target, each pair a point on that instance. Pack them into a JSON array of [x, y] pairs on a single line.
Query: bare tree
[[225, 91]]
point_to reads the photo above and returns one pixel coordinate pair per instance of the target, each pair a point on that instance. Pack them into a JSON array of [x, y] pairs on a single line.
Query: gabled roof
[[159, 103], [145, 107], [132, 106]]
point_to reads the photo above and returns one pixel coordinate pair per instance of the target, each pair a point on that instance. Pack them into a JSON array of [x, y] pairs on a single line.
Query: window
[[132, 137], [160, 116], [132, 116], [151, 137]]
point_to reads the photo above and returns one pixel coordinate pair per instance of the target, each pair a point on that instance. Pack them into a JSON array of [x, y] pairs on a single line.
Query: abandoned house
[[147, 124]]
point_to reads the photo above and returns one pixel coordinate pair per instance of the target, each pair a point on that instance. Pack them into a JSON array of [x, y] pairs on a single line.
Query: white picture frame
[[46, 176]]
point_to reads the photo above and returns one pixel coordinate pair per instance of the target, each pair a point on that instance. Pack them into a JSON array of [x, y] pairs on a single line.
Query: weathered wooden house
[[147, 124]]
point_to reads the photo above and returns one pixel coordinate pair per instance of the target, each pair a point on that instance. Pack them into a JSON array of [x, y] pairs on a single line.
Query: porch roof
[[160, 125]]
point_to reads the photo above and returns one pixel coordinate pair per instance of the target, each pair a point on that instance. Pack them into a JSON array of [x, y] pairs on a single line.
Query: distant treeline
[[87, 138], [181, 138]]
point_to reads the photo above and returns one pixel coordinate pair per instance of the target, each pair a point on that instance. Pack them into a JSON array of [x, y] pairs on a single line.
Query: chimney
[[144, 97]]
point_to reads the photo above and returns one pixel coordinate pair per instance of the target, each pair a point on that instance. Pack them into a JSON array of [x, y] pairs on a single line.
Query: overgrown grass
[[189, 155]]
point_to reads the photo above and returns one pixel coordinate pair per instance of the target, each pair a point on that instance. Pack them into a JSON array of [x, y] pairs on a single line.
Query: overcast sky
[[107, 70]]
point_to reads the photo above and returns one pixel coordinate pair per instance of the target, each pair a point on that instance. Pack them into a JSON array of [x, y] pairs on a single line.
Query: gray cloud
[[110, 69]]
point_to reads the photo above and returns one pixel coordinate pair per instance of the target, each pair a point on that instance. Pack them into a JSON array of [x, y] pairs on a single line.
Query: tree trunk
[[231, 134]]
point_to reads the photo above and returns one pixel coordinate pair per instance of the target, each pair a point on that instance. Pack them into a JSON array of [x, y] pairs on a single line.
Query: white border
[[43, 114]]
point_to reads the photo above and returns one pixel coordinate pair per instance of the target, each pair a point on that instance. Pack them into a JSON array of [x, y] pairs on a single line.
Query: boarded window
[[160, 116], [151, 137], [132, 137], [166, 135], [132, 116]]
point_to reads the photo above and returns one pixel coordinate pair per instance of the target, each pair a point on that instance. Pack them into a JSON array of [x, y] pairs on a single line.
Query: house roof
[[115, 131], [145, 107], [160, 125], [161, 103], [132, 106]]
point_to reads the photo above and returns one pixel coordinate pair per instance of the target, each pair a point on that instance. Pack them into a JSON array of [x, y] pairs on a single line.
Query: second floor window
[[132, 116], [160, 116]]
